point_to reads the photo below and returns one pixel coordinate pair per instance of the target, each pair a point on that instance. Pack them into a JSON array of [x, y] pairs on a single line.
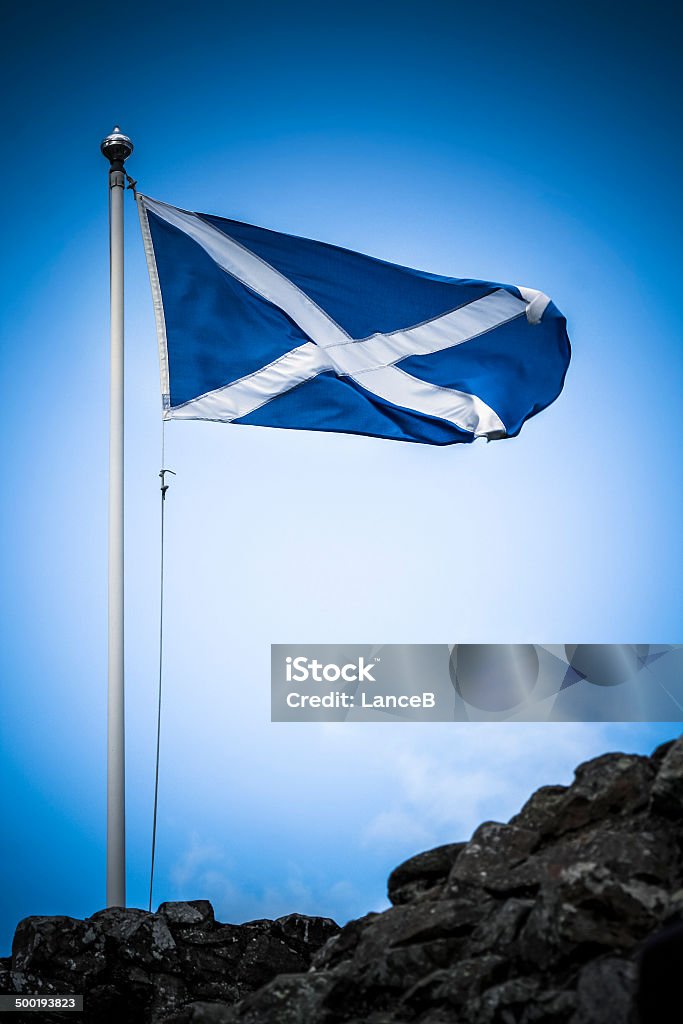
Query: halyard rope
[[164, 488]]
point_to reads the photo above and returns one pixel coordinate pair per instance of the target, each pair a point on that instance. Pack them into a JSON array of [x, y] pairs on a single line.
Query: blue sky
[[534, 144]]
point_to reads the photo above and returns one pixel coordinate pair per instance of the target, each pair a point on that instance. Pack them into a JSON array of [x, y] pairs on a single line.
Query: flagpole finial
[[117, 147]]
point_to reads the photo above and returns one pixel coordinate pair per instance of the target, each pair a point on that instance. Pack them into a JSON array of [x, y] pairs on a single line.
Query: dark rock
[[500, 929], [548, 919], [305, 934], [660, 752], [587, 911], [658, 995], [422, 874], [288, 999], [505, 1002], [457, 985], [133, 966], [374, 965], [611, 785], [605, 992], [650, 855], [190, 914], [540, 811], [204, 1013], [491, 853], [667, 790], [342, 945]]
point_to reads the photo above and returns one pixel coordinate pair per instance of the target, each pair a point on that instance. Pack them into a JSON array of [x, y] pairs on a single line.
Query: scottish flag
[[264, 328]]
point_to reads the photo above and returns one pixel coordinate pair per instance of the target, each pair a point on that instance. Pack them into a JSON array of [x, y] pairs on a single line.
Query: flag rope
[[164, 487]]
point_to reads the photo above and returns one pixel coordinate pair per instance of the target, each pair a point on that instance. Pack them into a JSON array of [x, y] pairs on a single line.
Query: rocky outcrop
[[134, 967], [540, 920]]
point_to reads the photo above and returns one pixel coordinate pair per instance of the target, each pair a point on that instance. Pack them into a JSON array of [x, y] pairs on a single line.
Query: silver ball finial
[[117, 147]]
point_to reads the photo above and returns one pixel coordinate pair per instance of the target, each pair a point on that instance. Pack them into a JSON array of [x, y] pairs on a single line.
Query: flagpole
[[116, 148]]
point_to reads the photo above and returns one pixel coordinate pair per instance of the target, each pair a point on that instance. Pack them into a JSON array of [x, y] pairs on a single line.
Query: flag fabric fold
[[263, 328]]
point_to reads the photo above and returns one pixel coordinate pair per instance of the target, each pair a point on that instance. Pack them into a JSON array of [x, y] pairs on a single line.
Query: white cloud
[[441, 790], [195, 861]]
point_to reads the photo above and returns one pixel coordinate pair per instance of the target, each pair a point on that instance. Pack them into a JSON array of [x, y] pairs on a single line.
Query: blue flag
[[264, 328]]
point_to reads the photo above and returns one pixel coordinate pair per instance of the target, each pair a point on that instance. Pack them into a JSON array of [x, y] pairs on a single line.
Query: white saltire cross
[[370, 362]]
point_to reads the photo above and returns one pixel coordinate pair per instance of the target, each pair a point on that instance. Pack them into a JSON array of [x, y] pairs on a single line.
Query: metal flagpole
[[116, 148]]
